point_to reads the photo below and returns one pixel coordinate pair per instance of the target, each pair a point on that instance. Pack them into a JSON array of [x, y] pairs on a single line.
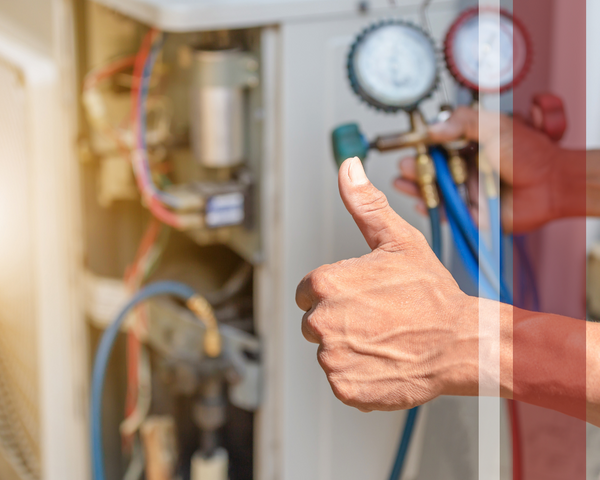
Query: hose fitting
[[204, 312], [489, 181], [426, 180], [458, 168]]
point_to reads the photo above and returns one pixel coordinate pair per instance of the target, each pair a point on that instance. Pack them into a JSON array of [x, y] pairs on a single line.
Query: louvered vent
[[19, 409]]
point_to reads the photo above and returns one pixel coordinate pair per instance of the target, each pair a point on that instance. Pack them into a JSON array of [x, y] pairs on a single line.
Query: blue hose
[[497, 246], [175, 289], [409, 426], [454, 203], [495, 229], [436, 231], [469, 261], [456, 207], [411, 416], [526, 273]]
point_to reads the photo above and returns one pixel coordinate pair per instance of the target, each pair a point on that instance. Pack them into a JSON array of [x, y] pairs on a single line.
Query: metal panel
[[19, 392], [42, 347], [195, 15]]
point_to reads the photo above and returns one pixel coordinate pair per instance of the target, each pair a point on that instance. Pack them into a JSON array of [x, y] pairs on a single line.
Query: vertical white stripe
[[489, 313]]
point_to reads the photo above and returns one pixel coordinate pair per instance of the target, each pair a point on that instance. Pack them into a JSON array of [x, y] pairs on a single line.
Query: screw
[[363, 6]]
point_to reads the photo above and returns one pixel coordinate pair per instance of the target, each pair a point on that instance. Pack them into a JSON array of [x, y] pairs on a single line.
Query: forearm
[[537, 358], [551, 361]]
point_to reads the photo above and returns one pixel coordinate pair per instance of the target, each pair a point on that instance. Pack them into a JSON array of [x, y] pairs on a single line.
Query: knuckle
[[328, 360], [307, 331], [418, 238], [319, 281], [374, 201], [315, 324], [344, 391]]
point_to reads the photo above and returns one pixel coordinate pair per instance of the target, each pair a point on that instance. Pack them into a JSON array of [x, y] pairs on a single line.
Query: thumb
[[380, 225]]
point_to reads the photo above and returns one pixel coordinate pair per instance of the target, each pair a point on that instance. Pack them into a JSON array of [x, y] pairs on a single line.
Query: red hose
[[516, 440]]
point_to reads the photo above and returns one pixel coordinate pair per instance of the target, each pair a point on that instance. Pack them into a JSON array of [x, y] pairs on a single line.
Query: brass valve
[[458, 167], [426, 179], [489, 181], [204, 312], [417, 137]]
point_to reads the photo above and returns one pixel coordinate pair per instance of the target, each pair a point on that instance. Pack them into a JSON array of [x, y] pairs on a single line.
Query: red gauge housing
[[522, 51]]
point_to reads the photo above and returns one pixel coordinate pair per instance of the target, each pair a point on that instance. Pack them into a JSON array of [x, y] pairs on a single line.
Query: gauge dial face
[[393, 66], [487, 50]]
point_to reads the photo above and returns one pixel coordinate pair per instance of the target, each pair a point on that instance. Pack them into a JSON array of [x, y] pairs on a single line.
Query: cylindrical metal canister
[[217, 110]]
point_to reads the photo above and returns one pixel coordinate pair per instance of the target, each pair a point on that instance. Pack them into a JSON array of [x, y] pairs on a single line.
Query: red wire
[[154, 204], [138, 69], [517, 452], [132, 279], [108, 71]]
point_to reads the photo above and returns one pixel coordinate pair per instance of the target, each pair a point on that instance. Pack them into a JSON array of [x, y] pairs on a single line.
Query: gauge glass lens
[[395, 65], [488, 51]]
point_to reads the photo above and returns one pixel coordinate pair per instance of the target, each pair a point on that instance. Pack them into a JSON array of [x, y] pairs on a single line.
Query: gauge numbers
[[393, 66], [487, 51]]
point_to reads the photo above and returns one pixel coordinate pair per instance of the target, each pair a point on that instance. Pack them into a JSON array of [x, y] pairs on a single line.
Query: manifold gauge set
[[393, 64]]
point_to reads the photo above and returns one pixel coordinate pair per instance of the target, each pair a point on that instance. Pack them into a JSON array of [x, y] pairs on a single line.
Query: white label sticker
[[226, 209]]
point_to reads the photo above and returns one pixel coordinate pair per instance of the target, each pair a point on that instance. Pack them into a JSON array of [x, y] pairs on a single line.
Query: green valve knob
[[348, 142]]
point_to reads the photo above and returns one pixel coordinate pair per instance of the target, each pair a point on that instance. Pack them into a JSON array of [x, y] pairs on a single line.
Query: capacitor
[[219, 81]]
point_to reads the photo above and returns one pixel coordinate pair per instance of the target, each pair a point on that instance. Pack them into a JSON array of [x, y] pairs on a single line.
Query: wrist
[[461, 371], [481, 359]]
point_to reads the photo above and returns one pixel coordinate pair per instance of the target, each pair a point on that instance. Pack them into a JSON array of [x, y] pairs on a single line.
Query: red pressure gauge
[[487, 50]]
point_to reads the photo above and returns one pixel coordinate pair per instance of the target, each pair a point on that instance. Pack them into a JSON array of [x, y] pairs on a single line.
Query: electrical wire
[[141, 77], [135, 469], [156, 200], [142, 147], [137, 400], [144, 396], [234, 284], [93, 78], [175, 289]]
